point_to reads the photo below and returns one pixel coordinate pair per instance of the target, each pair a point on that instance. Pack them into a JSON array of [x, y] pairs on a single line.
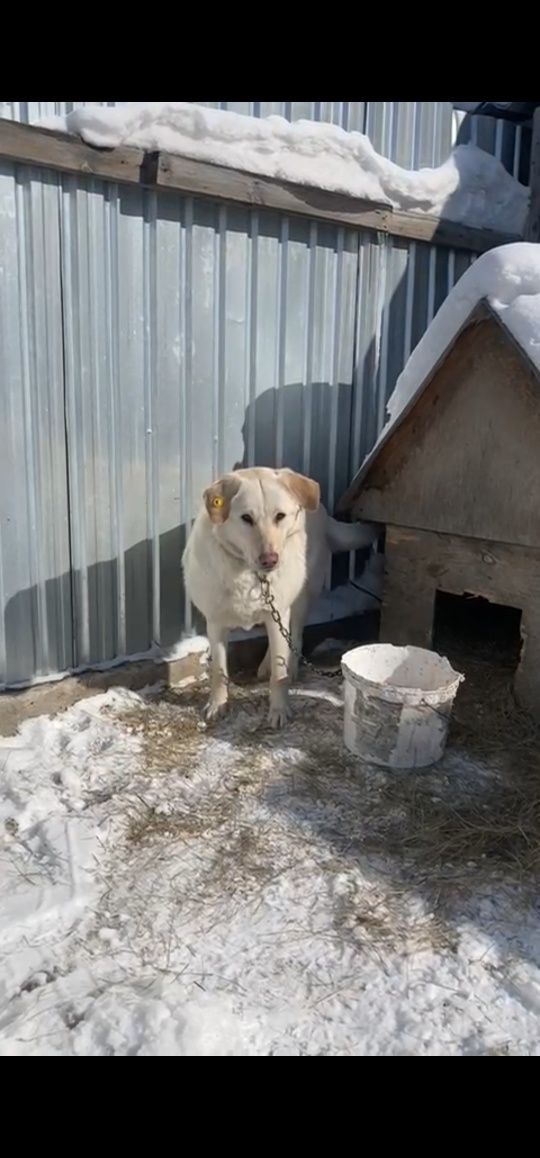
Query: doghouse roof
[[503, 285]]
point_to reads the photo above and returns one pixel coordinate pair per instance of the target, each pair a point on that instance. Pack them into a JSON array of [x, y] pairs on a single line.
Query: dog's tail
[[350, 536]]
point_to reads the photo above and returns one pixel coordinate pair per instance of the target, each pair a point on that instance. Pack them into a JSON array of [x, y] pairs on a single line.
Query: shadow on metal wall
[[119, 594]]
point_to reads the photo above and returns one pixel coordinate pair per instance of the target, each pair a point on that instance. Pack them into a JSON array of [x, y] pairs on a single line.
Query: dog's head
[[255, 511]]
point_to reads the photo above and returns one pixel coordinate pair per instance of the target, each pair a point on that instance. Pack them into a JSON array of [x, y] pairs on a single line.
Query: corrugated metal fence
[[149, 341]]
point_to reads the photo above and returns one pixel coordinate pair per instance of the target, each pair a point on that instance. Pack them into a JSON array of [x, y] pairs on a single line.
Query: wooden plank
[[532, 228], [27, 145], [220, 182], [216, 181], [466, 459], [448, 233], [408, 596]]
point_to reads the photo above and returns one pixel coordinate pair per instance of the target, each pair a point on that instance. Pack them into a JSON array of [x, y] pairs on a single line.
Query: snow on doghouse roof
[[471, 187], [507, 279]]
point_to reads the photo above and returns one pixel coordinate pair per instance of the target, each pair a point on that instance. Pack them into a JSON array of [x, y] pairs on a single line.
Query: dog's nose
[[268, 560]]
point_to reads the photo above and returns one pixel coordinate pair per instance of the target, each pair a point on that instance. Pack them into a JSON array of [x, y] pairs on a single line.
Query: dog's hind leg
[[299, 614], [263, 670]]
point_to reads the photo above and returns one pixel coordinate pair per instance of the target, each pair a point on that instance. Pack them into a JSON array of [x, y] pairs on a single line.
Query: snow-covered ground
[[471, 187], [167, 890]]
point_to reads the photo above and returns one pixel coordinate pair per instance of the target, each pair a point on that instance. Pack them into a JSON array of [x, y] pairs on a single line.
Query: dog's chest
[[242, 602]]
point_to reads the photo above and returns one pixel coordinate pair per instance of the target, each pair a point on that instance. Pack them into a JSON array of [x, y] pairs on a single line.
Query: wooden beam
[[26, 145], [435, 231], [532, 228], [218, 182]]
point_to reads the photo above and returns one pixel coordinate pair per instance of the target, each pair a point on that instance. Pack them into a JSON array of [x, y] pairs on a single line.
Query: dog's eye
[[247, 519], [280, 515]]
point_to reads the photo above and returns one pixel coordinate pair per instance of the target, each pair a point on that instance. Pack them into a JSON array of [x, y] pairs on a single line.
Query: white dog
[[269, 524]]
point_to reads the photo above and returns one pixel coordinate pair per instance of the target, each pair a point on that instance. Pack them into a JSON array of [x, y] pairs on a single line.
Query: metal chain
[[269, 600]]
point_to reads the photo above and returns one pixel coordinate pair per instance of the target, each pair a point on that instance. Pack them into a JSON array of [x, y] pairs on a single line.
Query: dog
[[262, 529]]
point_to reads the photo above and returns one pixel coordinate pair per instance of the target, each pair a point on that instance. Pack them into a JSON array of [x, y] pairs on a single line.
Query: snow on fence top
[[471, 187]]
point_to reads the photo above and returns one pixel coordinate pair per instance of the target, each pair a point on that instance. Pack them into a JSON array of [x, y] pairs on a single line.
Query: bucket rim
[[403, 690]]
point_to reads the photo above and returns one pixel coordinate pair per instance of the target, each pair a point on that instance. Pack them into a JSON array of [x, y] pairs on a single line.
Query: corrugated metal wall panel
[[35, 586], [149, 342], [509, 143], [198, 337], [400, 288]]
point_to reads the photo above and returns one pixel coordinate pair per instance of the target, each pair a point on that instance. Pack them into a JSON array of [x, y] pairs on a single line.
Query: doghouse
[[455, 479]]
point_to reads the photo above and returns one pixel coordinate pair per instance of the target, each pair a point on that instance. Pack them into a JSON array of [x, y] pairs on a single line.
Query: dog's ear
[[305, 490], [218, 497]]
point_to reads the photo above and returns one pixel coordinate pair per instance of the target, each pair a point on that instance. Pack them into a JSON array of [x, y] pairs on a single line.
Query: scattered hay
[[454, 845], [441, 835], [170, 729], [487, 719], [453, 828], [239, 859], [385, 919], [150, 824]]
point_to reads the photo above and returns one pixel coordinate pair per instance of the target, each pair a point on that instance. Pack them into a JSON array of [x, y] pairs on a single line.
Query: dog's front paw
[[279, 713], [215, 709]]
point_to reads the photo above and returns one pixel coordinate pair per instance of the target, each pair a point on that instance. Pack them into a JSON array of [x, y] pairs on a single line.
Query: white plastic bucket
[[398, 703]]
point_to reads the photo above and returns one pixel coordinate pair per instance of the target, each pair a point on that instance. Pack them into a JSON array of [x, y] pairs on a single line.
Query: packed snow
[[168, 890], [471, 187], [509, 279]]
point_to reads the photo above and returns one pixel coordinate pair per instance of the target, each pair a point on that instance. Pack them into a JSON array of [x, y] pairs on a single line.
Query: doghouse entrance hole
[[471, 624]]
